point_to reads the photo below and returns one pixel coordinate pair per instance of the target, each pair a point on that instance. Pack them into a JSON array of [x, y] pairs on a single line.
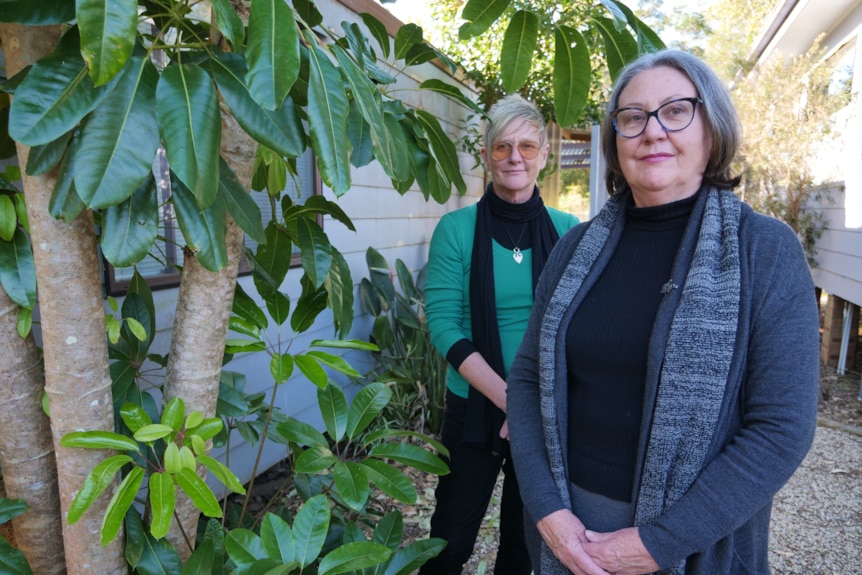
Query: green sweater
[[447, 291]]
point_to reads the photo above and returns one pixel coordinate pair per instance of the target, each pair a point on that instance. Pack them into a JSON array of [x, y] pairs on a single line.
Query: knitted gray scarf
[[695, 368]]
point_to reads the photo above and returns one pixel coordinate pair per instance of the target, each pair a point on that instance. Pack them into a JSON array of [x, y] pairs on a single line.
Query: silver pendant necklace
[[516, 252]]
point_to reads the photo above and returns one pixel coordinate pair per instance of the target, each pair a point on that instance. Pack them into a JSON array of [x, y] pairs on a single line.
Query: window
[[160, 267], [842, 63]]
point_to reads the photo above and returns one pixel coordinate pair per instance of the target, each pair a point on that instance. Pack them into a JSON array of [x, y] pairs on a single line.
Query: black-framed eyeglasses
[[673, 116]]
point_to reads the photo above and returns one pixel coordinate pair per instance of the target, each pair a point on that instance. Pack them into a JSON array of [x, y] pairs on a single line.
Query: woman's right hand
[[565, 535]]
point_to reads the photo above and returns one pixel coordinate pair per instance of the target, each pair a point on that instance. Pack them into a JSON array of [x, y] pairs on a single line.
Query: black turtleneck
[[606, 349]]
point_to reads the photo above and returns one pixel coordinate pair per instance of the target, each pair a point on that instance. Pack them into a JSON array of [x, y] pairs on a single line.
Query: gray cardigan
[[768, 414]]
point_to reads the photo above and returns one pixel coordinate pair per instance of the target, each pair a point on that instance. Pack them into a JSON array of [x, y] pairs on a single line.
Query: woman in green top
[[483, 264]]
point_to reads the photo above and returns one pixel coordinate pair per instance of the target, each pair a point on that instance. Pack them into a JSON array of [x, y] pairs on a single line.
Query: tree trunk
[[26, 449], [77, 379], [201, 324]]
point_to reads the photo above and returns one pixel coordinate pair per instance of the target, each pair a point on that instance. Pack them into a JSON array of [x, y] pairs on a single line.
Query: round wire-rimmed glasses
[[527, 148], [672, 116]]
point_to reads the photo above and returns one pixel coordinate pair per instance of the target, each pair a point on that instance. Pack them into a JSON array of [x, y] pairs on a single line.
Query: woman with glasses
[[483, 264], [667, 385]]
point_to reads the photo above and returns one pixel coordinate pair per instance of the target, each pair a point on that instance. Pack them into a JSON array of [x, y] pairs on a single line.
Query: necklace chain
[[516, 252]]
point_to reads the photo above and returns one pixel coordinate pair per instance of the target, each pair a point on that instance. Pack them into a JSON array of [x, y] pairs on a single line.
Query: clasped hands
[[589, 553]]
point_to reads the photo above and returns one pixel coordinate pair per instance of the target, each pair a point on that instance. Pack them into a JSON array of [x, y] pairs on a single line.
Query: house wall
[[399, 227]]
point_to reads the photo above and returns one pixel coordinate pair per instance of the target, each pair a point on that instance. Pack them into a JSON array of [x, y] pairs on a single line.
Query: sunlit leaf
[[97, 480], [199, 492], [480, 15], [162, 503], [571, 74], [120, 503], [519, 43]]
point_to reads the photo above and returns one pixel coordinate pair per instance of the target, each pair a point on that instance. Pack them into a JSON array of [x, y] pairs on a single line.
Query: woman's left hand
[[621, 552]]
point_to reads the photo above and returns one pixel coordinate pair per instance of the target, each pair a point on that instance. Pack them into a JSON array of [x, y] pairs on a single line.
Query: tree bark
[[201, 324], [26, 449], [77, 379]]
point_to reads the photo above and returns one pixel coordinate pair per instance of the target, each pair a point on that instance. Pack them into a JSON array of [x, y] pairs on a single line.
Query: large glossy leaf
[[390, 481], [37, 12], [281, 367], [199, 492], [411, 557], [97, 480], [244, 547], [11, 508], [272, 258], [333, 410], [222, 473], [370, 401], [309, 13], [56, 94], [571, 74], [379, 32], [201, 561], [620, 47], [278, 306], [190, 124], [134, 416], [334, 362], [389, 530], [339, 292], [65, 204], [123, 498], [396, 147], [327, 118], [12, 561], [108, 29], [441, 87], [272, 52], [352, 483], [229, 23], [277, 538], [442, 149], [245, 307], [162, 503], [411, 455], [314, 250], [311, 304], [351, 557], [45, 157], [147, 555], [130, 229], [301, 433], [17, 271], [315, 460], [98, 440], [311, 370], [119, 139], [204, 230], [647, 39], [240, 205], [359, 133], [281, 130], [309, 529], [519, 43], [480, 15], [407, 36]]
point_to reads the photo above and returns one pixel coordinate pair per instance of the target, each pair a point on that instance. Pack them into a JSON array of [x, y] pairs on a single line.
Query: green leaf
[[370, 401], [201, 495], [136, 328], [411, 455], [379, 275], [97, 480], [147, 555], [333, 409], [280, 130], [441, 87], [130, 228], [98, 440], [108, 30], [357, 344], [277, 538], [281, 367], [351, 557], [17, 270], [647, 39], [25, 321], [11, 508], [315, 460], [442, 149], [174, 414], [334, 362], [190, 125], [571, 75], [311, 304], [201, 561], [162, 503], [321, 205], [309, 529], [37, 13], [352, 483], [222, 473], [244, 547], [119, 139], [308, 12], [278, 306], [246, 308], [173, 464], [480, 15], [519, 43], [120, 503], [390, 481], [314, 251], [396, 143], [411, 557], [273, 257], [406, 37], [312, 370], [53, 98], [379, 32], [228, 23], [272, 52], [8, 218], [65, 204], [389, 530], [45, 157], [209, 427], [134, 416], [384, 433], [620, 47], [327, 119], [12, 561], [240, 205], [339, 290], [204, 230], [302, 433]]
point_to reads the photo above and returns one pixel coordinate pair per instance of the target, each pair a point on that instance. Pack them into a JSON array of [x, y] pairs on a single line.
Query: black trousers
[[462, 501]]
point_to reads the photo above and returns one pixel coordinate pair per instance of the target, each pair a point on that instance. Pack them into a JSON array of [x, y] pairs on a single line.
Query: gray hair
[[512, 109], [718, 111]]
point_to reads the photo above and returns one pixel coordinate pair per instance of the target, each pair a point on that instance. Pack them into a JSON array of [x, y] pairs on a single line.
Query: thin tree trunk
[[77, 379], [26, 449], [201, 324]]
